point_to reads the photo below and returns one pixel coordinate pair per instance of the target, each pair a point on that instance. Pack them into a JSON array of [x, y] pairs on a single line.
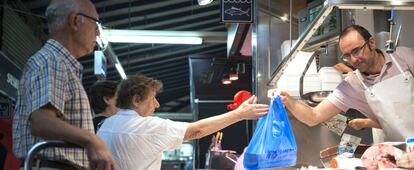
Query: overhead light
[[284, 18], [101, 39], [226, 81], [155, 39], [234, 76], [397, 2], [204, 2], [152, 36], [121, 71]]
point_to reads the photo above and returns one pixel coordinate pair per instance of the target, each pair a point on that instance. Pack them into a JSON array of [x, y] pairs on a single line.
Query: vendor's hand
[[342, 68], [284, 96], [249, 110], [358, 124]]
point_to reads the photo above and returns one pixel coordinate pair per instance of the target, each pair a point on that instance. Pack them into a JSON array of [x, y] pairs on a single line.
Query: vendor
[[381, 87]]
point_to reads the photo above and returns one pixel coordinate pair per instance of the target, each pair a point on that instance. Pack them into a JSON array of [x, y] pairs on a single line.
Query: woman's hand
[[249, 110]]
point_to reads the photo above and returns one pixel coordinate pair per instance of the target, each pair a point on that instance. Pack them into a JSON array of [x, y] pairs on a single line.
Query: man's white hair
[[58, 11]]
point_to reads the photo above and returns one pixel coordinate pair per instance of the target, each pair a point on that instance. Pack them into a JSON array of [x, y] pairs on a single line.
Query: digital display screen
[[100, 65]]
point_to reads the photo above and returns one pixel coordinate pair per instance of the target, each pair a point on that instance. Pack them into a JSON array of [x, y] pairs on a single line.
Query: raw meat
[[380, 156]]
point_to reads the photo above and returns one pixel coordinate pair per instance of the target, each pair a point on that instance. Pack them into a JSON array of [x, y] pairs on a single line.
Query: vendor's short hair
[[135, 85], [98, 91], [361, 30]]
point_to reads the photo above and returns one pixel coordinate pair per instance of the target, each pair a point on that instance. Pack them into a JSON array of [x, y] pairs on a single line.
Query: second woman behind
[[102, 99]]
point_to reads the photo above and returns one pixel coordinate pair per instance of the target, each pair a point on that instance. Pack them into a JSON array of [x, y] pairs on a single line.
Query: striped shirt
[[52, 76]]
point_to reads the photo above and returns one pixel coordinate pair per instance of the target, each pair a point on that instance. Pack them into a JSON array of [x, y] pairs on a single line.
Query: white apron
[[392, 102]]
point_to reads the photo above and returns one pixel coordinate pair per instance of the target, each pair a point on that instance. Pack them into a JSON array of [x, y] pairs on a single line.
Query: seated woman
[[137, 139], [102, 99]]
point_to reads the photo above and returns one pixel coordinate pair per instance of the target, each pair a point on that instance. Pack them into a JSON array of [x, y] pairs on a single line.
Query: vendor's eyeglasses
[[356, 52], [91, 18]]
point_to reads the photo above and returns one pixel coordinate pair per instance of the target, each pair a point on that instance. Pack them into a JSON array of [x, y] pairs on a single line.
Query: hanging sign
[[9, 77], [237, 11]]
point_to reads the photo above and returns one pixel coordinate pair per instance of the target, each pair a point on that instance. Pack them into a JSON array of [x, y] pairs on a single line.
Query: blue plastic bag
[[273, 143]]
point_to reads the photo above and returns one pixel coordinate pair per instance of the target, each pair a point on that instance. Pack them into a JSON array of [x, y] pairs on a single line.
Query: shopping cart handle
[[28, 162]]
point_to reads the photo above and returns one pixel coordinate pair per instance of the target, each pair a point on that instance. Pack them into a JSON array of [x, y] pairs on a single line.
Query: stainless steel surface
[[310, 141], [373, 4], [290, 22], [390, 43], [300, 43], [333, 41], [406, 19], [398, 36], [312, 98], [269, 33], [316, 97], [303, 75], [212, 101], [328, 6]]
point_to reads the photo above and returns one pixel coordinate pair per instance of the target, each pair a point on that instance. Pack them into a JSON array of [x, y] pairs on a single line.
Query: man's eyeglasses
[[91, 18], [354, 53]]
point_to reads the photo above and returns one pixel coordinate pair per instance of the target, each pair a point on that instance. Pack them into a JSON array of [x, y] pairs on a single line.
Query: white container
[[330, 74], [290, 83], [409, 144], [330, 78]]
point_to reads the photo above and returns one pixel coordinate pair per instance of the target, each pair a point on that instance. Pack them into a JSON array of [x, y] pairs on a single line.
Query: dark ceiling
[[168, 63]]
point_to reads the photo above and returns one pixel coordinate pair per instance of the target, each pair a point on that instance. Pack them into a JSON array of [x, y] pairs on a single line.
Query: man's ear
[[73, 21], [372, 43]]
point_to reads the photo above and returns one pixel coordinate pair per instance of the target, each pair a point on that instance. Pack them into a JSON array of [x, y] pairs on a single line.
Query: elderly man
[[381, 87], [137, 139], [52, 103]]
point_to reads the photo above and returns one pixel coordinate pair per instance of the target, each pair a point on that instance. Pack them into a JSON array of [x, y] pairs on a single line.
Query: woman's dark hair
[[135, 85], [98, 91], [361, 30]]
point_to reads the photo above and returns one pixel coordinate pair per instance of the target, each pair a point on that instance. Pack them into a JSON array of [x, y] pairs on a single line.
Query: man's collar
[[387, 57], [51, 43]]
